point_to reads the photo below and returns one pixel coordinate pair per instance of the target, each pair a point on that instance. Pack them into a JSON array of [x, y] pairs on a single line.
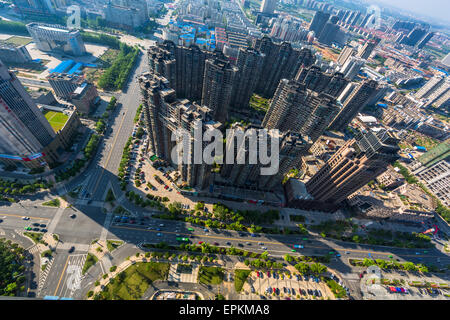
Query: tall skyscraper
[[183, 67], [428, 88], [217, 87], [366, 50], [249, 65], [268, 6], [346, 53], [318, 22], [354, 103], [329, 31], [352, 67], [425, 40], [414, 36], [317, 80], [24, 130], [291, 148], [356, 163], [281, 61], [164, 114], [298, 109]]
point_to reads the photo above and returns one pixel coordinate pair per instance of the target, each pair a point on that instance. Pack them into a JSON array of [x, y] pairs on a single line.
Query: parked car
[[72, 249]]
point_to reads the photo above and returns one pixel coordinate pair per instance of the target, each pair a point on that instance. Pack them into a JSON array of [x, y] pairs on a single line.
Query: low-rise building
[[84, 97], [11, 53]]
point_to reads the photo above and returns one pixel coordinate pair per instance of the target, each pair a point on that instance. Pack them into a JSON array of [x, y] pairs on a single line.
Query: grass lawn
[[90, 261], [132, 283], [52, 203], [210, 275], [15, 40], [57, 119], [240, 276], [112, 245], [36, 237]]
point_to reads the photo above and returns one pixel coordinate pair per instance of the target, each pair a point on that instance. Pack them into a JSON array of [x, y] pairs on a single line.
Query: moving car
[[72, 249], [25, 218]]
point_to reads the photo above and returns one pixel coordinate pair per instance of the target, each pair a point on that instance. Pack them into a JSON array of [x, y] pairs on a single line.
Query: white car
[[264, 248]]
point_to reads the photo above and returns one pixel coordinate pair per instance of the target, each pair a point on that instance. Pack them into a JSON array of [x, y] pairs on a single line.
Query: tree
[[302, 267], [318, 268], [409, 266], [264, 255]]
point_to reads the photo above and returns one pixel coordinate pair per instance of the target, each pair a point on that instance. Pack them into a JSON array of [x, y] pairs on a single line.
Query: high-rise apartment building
[[346, 53], [436, 92], [329, 31], [366, 50], [126, 13], [352, 67], [298, 109], [425, 40], [318, 22], [354, 103], [437, 178], [164, 114], [50, 37], [249, 64], [24, 130], [281, 62], [183, 67], [217, 87], [414, 36], [291, 148], [268, 6], [354, 164], [317, 80], [428, 88]]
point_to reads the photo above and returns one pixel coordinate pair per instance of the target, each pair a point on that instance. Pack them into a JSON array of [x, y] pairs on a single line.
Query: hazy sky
[[434, 8]]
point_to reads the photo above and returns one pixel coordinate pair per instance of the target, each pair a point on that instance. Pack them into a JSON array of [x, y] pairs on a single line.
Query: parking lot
[[286, 286]]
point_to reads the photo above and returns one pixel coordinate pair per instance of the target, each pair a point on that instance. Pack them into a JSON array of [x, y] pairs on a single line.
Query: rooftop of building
[[51, 27], [56, 119]]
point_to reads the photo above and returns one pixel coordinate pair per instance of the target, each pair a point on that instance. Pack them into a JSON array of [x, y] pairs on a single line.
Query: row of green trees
[[223, 213], [17, 188], [390, 264], [78, 164], [101, 38], [13, 27], [116, 75], [314, 268]]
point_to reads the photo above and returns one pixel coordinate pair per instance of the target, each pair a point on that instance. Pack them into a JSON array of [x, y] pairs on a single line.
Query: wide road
[[276, 245]]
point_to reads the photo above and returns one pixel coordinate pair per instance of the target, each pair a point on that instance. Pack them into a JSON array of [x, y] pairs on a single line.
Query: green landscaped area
[[52, 203], [132, 283], [57, 119], [210, 275], [36, 237], [19, 41], [113, 244], [90, 261], [240, 276], [259, 104]]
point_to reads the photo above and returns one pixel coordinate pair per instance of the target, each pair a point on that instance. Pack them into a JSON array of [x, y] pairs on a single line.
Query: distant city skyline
[[433, 8]]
